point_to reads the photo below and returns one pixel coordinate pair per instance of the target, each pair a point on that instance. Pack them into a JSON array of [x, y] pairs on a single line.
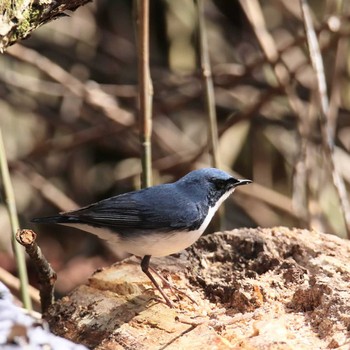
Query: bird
[[155, 221]]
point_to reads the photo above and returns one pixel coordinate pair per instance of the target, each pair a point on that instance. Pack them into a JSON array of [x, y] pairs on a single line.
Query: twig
[[31, 84], [207, 78], [90, 92], [145, 92], [11, 207], [317, 65], [327, 133], [339, 64], [254, 13], [301, 173], [46, 275], [208, 84], [47, 189]]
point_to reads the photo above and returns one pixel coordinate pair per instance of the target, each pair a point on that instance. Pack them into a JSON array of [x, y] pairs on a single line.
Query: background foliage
[[68, 101]]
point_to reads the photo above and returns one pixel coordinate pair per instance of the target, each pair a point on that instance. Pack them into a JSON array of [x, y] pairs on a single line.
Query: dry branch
[[208, 85], [326, 127], [47, 276], [145, 92], [90, 92]]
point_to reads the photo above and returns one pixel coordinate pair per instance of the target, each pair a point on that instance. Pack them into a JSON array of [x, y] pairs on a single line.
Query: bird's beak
[[242, 182]]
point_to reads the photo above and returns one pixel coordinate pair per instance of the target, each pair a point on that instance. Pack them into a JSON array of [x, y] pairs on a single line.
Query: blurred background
[[69, 102]]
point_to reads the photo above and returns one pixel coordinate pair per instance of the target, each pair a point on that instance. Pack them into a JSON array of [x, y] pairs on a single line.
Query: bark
[[254, 288], [20, 17]]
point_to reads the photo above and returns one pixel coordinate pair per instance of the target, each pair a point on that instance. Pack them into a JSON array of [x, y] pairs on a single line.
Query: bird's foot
[[176, 291], [146, 269]]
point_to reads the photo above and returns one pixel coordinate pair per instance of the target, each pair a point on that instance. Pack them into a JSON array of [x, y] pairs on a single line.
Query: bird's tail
[[56, 219]]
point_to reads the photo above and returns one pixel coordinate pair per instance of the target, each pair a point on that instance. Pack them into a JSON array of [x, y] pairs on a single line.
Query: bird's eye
[[220, 184]]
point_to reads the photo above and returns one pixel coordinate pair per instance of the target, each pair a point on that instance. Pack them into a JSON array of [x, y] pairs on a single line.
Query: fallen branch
[[47, 276]]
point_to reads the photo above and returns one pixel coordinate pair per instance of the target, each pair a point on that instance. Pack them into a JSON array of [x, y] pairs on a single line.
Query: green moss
[[19, 18], [30, 20], [22, 22]]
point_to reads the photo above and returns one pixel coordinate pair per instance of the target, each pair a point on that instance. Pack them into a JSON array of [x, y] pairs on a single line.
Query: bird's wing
[[149, 209]]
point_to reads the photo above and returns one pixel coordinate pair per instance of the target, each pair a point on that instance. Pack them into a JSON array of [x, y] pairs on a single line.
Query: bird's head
[[216, 183]]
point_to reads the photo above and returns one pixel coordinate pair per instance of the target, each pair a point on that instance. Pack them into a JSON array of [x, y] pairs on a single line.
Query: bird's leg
[[172, 287], [145, 268], [165, 282]]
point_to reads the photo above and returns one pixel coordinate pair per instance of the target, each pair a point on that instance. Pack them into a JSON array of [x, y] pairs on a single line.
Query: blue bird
[[155, 221]]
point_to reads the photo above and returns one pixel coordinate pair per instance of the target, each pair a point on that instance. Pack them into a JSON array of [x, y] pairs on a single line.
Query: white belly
[[159, 244], [155, 244]]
